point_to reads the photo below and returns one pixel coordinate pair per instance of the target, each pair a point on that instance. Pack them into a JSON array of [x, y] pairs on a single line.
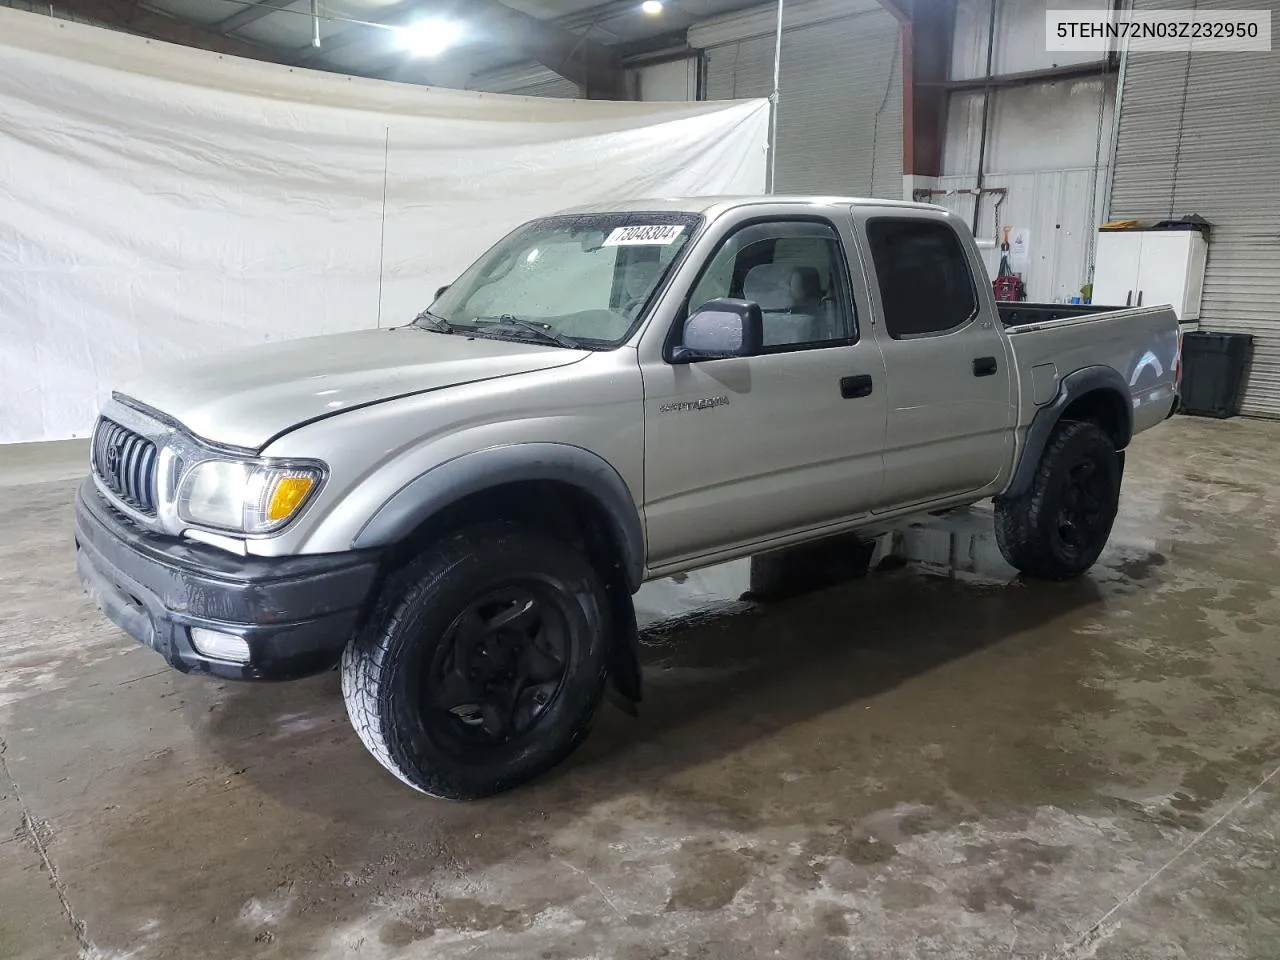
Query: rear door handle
[[984, 367], [853, 387]]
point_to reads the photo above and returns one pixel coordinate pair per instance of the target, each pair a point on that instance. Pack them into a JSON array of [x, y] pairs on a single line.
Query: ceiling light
[[430, 38], [652, 7]]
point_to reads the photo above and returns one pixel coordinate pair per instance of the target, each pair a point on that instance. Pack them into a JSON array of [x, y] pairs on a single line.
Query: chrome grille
[[127, 464]]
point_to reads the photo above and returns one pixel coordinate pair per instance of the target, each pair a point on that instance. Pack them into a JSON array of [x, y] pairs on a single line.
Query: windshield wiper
[[541, 330], [429, 321]]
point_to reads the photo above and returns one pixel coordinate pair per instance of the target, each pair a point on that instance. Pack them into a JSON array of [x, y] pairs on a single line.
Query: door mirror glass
[[440, 292], [722, 328]]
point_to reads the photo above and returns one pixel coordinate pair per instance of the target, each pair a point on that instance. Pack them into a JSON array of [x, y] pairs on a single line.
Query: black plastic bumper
[[295, 613]]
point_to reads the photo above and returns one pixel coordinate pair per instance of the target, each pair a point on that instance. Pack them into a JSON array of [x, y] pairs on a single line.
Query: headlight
[[246, 496]]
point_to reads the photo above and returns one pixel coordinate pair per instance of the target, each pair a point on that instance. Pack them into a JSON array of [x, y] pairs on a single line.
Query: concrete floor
[[938, 761]]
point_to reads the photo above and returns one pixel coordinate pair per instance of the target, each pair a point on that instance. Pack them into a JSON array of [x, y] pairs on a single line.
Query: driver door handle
[[853, 387]]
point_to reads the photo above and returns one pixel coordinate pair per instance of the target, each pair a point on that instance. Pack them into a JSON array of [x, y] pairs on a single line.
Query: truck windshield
[[585, 278]]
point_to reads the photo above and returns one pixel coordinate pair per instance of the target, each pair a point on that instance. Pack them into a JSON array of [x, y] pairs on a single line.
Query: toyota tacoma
[[457, 511]]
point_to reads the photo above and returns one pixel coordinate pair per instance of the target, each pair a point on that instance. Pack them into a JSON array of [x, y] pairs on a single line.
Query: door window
[[926, 286], [796, 272]]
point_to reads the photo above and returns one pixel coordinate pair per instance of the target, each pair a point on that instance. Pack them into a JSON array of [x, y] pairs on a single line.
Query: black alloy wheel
[[1081, 513], [500, 665]]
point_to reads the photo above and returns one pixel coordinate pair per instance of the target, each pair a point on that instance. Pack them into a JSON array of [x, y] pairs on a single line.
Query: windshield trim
[[696, 223]]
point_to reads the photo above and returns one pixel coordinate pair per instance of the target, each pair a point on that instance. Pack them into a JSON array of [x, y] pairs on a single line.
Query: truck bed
[[1139, 343]]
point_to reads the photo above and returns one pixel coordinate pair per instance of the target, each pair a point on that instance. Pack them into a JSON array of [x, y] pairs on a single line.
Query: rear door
[[951, 406]]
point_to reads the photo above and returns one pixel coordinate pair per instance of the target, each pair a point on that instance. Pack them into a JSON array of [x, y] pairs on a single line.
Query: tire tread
[[1020, 521], [365, 659]]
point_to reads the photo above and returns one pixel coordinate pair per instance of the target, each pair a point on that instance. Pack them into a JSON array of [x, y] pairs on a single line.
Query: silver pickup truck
[[458, 510]]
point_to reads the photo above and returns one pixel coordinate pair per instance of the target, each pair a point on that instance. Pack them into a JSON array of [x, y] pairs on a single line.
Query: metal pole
[[1109, 182], [773, 103], [315, 23], [986, 108]]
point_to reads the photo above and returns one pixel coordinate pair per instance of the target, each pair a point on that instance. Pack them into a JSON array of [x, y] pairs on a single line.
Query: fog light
[[220, 646]]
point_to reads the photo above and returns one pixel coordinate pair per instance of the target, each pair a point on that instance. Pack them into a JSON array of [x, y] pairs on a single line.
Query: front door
[[743, 449], [951, 409]]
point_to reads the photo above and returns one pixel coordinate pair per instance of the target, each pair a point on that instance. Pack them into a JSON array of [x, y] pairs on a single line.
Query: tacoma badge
[[684, 406]]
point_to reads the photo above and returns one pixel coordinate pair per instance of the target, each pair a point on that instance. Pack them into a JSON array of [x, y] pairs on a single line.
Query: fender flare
[[1074, 386], [471, 473]]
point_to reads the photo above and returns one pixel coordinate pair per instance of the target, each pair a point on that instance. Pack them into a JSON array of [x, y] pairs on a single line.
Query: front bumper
[[295, 613]]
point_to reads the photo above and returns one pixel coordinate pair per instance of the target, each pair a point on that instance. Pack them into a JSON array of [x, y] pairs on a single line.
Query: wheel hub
[[501, 663], [1081, 514]]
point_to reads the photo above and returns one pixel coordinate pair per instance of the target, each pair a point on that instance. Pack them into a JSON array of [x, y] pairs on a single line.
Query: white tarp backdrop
[[158, 202]]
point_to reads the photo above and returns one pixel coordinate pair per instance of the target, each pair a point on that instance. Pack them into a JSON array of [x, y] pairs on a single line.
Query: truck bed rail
[[1021, 314]]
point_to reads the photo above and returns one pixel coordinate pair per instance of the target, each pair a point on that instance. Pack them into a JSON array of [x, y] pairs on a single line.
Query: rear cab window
[[926, 285]]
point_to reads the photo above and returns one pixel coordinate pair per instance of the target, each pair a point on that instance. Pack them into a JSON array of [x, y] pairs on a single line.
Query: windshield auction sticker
[[658, 235]]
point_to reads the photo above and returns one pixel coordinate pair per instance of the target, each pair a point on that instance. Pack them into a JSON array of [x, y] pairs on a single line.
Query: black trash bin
[[1213, 366]]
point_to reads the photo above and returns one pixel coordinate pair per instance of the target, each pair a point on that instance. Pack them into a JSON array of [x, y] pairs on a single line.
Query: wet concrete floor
[[938, 761]]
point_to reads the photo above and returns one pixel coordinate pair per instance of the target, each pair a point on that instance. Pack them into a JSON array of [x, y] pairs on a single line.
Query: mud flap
[[623, 660]]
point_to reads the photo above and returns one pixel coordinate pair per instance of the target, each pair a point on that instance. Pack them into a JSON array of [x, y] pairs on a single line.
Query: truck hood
[[247, 397]]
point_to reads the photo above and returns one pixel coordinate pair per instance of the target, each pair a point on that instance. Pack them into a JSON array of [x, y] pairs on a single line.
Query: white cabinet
[[1115, 268], [1150, 267]]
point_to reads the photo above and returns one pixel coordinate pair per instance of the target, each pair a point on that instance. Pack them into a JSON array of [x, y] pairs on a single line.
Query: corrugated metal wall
[[1200, 133], [670, 80], [1020, 37], [1051, 205], [840, 114], [553, 86], [530, 81], [1048, 144]]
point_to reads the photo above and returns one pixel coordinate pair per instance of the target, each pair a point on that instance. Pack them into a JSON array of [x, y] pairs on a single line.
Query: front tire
[[483, 663], [1059, 527]]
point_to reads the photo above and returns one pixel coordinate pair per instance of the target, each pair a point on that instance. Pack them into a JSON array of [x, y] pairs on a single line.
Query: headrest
[[811, 282], [639, 277], [769, 285]]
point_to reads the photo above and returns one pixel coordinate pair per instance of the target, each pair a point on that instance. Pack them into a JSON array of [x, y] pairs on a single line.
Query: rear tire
[[483, 663], [1058, 528]]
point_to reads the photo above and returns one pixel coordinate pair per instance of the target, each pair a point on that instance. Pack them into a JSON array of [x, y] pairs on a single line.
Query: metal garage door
[[1200, 133], [840, 116], [553, 86]]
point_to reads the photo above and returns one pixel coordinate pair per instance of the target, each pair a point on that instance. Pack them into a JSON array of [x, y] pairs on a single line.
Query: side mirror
[[441, 291], [722, 328]]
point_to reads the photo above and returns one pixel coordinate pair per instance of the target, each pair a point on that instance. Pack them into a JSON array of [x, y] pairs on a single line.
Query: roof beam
[[1070, 71], [132, 17], [250, 14], [900, 9], [399, 15], [926, 65], [596, 68], [409, 10]]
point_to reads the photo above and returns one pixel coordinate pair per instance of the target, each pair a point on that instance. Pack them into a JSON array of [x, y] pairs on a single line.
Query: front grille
[[127, 464]]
